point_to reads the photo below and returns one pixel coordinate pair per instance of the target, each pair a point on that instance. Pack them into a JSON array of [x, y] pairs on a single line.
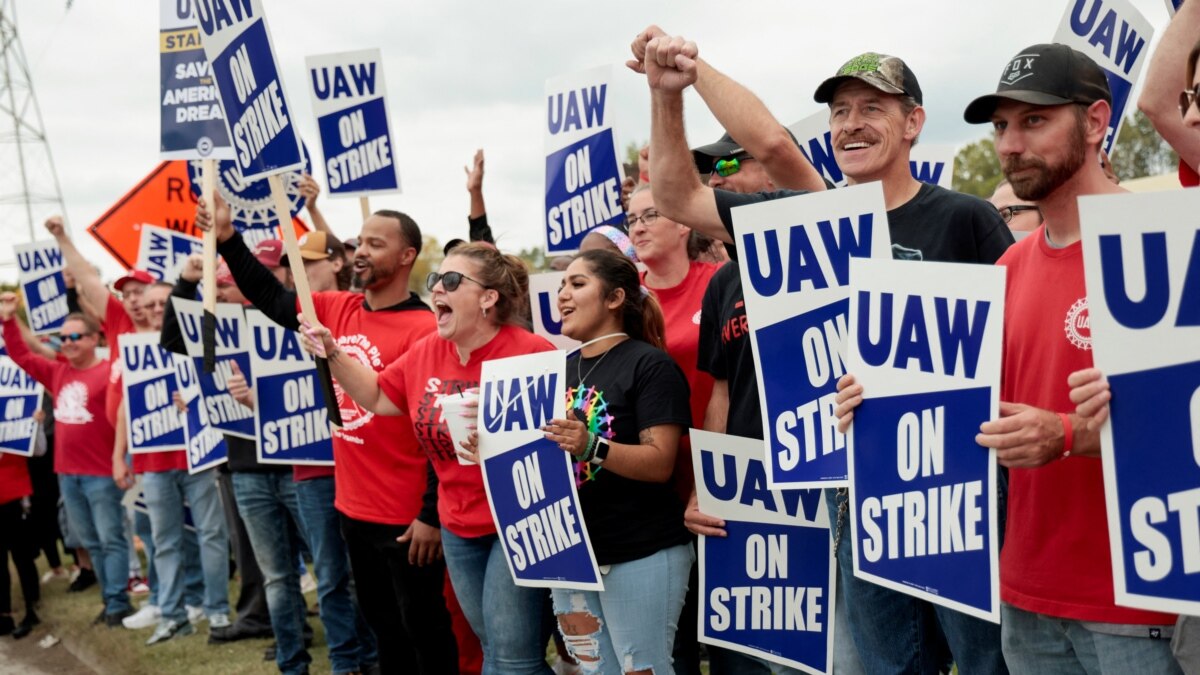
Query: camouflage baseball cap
[[886, 73]]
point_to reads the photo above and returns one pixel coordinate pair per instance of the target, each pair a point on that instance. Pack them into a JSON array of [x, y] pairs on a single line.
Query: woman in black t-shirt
[[627, 409]]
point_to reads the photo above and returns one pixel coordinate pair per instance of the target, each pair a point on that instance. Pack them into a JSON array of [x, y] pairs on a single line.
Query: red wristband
[[1068, 435]]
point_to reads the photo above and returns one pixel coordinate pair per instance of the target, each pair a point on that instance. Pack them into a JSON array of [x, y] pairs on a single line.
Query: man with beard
[[875, 117], [1050, 113], [386, 494]]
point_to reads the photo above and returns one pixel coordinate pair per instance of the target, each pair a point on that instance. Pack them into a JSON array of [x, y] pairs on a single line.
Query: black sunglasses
[[72, 337], [1187, 98], [1007, 212], [450, 280]]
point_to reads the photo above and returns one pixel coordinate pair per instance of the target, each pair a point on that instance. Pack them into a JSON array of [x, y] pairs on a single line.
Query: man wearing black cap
[[1050, 113], [875, 117]]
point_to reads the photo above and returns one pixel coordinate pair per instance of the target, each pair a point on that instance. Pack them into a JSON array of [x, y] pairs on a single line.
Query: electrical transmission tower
[[29, 189]]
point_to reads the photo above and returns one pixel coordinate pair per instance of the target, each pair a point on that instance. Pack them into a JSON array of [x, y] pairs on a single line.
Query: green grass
[[117, 651]]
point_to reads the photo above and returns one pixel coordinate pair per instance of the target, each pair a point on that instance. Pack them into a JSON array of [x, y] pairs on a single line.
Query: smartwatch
[[601, 453]]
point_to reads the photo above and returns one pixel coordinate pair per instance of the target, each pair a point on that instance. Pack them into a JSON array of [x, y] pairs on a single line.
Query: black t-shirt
[[725, 351], [635, 387]]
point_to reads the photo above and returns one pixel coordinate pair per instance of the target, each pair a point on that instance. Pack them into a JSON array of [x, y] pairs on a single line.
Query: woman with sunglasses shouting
[[479, 298]]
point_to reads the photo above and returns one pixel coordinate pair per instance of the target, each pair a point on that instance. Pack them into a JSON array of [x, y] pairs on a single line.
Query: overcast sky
[[463, 75]]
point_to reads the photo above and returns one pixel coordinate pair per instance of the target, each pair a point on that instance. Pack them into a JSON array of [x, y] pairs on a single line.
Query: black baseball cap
[[1045, 74], [888, 74]]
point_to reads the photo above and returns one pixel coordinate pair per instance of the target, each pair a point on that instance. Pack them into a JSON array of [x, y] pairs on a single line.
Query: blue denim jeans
[[631, 624], [98, 523], [166, 492], [266, 501], [1046, 645], [141, 526], [897, 633], [351, 643], [509, 629]]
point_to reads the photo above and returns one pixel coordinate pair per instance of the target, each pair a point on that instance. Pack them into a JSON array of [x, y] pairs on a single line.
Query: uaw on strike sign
[[1141, 256]]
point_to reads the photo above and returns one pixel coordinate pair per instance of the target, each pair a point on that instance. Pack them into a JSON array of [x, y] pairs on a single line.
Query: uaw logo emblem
[[250, 203], [1018, 69]]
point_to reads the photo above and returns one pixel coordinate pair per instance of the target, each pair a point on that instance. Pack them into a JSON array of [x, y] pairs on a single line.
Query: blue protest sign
[[193, 124], [583, 174], [1117, 37], [289, 406], [261, 124], [206, 446], [20, 397], [349, 100], [529, 480], [233, 346], [543, 302], [795, 272], [925, 341], [40, 276], [152, 422], [1141, 255], [162, 251], [767, 588], [250, 205]]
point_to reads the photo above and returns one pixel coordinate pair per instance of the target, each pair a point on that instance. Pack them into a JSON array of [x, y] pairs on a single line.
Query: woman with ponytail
[[480, 299], [627, 406]]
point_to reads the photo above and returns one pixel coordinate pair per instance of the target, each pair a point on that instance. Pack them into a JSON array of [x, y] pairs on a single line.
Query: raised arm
[[87, 279], [310, 191], [39, 368], [477, 221], [356, 378], [1165, 78]]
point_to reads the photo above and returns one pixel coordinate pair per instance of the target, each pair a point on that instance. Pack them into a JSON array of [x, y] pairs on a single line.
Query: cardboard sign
[[1117, 37], [583, 172], [349, 101], [529, 480], [163, 252], [223, 412], [543, 300], [40, 276], [925, 343], [1141, 255], [929, 163], [193, 125], [289, 406], [206, 446], [795, 276], [933, 163], [250, 87], [767, 589], [152, 422], [20, 397], [250, 206]]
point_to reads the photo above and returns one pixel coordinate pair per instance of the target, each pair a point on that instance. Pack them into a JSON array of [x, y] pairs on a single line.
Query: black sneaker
[[26, 626], [85, 580], [114, 620], [223, 634]]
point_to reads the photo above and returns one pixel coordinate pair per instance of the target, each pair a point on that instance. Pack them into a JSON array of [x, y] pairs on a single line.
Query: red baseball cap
[[223, 276], [270, 253], [140, 276]]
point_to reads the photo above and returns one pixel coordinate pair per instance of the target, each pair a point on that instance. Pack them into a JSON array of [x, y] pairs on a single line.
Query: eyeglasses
[[72, 337], [647, 218], [1007, 212], [1187, 98], [450, 280], [727, 166]]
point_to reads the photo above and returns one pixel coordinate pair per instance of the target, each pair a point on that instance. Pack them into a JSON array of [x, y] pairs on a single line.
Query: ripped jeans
[[630, 625]]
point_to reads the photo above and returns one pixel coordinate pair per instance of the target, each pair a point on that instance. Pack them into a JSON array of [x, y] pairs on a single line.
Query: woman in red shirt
[[479, 298]]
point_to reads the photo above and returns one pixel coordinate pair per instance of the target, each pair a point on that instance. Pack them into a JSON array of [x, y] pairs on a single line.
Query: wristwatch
[[601, 453]]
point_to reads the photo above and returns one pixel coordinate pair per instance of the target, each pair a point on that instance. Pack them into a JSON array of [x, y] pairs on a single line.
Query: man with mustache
[[875, 118], [1050, 113]]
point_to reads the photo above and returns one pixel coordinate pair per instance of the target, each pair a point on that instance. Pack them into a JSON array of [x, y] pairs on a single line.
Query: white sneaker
[[60, 574], [195, 614], [146, 617], [307, 583], [219, 621]]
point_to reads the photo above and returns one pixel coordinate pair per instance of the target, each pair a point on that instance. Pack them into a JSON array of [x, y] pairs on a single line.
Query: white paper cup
[[452, 407]]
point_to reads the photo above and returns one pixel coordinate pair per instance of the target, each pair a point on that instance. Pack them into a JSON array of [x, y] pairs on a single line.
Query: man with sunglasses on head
[[876, 115], [386, 493], [83, 459]]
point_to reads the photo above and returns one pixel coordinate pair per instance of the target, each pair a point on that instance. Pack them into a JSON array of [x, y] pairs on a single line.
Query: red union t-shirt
[[82, 433], [14, 479], [681, 306], [1056, 558], [380, 471], [116, 323], [430, 369]]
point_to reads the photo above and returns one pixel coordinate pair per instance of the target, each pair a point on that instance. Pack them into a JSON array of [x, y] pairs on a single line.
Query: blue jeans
[[631, 624], [177, 566], [351, 643], [1046, 645], [509, 629], [266, 501], [141, 526], [98, 523], [897, 633]]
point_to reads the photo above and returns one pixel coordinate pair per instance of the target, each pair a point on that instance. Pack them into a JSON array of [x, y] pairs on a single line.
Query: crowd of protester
[[410, 575]]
